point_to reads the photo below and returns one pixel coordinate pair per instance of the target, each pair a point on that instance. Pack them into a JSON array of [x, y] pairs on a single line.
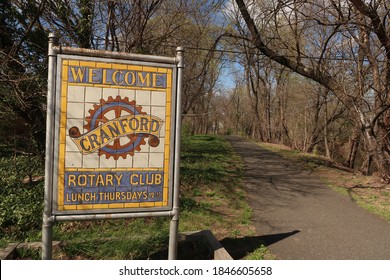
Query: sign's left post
[[47, 225]]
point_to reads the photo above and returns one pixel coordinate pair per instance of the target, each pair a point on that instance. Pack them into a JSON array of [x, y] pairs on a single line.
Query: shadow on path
[[238, 248]]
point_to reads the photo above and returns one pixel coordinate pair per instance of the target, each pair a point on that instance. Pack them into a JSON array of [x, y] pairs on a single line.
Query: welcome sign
[[113, 136]]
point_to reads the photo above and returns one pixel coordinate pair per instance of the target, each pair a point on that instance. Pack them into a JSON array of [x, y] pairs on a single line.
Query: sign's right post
[[174, 225]]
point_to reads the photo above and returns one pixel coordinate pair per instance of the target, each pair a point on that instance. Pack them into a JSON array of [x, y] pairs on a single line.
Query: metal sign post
[[47, 227], [174, 226], [113, 138]]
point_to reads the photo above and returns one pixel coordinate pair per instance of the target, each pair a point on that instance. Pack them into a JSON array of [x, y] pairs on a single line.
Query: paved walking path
[[298, 217]]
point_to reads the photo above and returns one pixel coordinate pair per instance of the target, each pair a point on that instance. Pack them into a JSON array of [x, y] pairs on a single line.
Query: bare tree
[[331, 30]]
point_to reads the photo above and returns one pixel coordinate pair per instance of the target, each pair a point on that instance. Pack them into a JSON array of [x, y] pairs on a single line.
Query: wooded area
[[310, 74]]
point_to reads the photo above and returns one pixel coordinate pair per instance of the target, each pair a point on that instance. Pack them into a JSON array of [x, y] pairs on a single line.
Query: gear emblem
[[110, 109]]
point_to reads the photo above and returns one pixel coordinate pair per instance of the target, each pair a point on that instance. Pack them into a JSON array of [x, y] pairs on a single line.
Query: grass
[[258, 254], [211, 197], [366, 191], [374, 200]]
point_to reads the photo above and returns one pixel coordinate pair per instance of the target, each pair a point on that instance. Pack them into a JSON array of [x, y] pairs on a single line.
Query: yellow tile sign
[[114, 135]]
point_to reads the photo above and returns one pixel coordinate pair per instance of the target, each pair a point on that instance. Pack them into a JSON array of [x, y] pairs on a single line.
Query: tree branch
[[311, 73]]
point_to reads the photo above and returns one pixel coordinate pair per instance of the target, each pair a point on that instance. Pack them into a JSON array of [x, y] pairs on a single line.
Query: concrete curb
[[218, 251], [8, 253]]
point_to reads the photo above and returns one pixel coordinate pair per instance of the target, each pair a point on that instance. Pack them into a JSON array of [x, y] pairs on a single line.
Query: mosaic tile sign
[[114, 135]]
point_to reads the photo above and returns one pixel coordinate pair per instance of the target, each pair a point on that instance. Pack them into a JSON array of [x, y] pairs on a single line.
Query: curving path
[[298, 217]]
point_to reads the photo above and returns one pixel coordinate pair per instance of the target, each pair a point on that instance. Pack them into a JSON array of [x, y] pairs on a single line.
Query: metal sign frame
[[84, 177], [89, 182]]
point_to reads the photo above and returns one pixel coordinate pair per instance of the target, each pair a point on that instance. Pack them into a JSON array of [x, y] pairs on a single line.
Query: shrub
[[21, 199]]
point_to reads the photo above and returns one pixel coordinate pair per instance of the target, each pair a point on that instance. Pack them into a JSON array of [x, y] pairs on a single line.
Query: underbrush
[[21, 197]]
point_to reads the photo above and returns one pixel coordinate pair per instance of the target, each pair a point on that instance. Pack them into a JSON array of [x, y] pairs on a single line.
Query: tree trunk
[[326, 144], [354, 147]]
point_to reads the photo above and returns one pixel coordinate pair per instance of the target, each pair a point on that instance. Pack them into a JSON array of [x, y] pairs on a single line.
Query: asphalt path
[[300, 218]]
